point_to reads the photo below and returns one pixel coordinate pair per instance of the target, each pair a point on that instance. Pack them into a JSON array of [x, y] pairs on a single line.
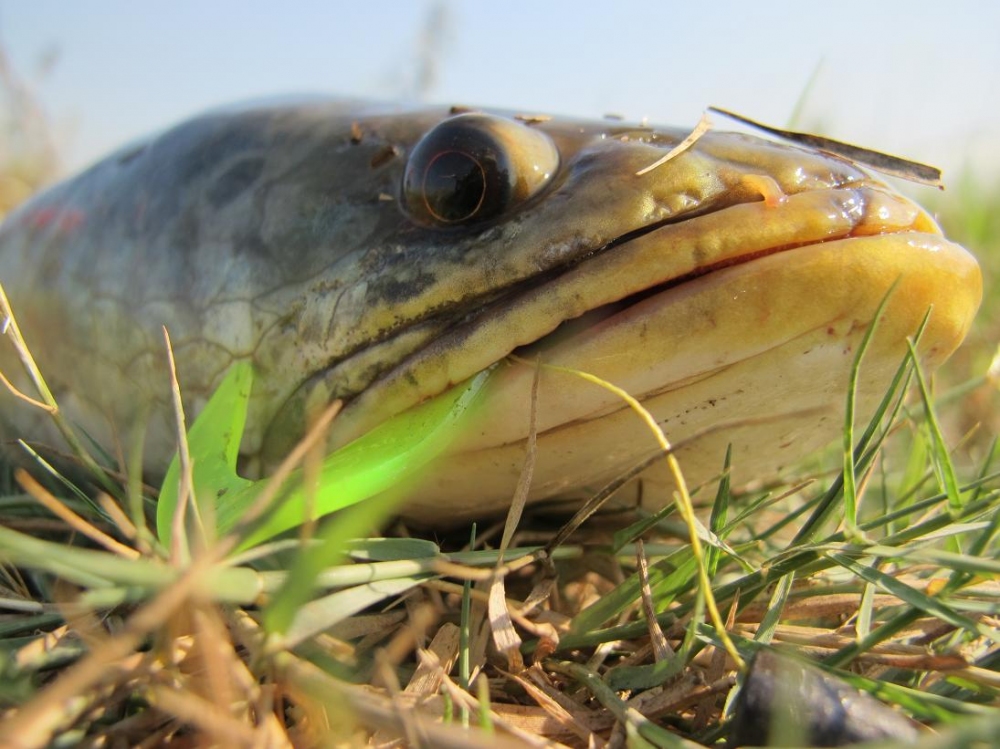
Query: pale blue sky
[[921, 79]]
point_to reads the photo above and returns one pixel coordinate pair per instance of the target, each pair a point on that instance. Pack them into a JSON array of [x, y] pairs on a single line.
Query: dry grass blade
[[35, 723], [217, 726], [505, 638], [435, 662], [703, 126], [17, 393], [570, 716], [114, 511], [308, 683], [178, 538], [74, 521], [661, 648]]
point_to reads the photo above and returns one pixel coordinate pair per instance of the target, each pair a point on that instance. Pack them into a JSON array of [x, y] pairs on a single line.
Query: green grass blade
[[382, 460], [214, 443], [333, 539], [630, 533], [942, 460], [377, 462], [647, 732], [867, 447], [464, 669], [318, 615], [720, 513], [668, 578], [771, 619], [914, 597]]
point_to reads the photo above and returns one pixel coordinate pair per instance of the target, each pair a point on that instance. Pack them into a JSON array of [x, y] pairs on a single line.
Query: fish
[[383, 254]]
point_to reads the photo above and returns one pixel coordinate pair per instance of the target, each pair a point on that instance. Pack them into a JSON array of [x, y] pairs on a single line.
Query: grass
[[121, 628], [124, 637]]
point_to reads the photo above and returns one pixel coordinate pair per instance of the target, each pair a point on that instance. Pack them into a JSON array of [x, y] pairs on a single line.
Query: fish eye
[[473, 167]]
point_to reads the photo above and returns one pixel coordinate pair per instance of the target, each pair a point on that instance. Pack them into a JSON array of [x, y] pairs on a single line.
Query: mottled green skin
[[276, 233]]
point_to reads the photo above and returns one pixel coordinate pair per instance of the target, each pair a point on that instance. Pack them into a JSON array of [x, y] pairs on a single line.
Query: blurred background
[[918, 78]]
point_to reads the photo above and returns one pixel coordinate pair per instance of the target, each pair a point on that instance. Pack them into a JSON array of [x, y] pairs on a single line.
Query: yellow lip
[[745, 344]]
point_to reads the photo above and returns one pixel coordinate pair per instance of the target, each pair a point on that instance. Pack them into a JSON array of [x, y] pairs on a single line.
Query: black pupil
[[454, 186]]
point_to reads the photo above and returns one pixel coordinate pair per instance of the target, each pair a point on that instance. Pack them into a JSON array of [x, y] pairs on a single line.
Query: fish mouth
[[832, 215], [651, 266], [751, 352]]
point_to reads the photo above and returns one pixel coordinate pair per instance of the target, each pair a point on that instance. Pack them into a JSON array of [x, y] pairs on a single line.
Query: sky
[[920, 79]]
